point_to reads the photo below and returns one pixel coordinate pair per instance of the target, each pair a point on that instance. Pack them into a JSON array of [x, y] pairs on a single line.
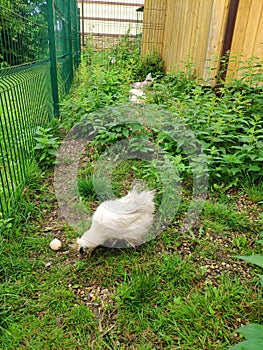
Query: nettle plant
[[228, 122], [45, 148], [104, 77], [146, 132]]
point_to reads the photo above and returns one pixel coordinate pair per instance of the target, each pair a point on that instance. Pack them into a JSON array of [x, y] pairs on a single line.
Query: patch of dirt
[[97, 299], [245, 205], [222, 260]]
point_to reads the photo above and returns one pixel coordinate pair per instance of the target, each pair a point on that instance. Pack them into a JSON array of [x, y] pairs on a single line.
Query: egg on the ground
[[55, 244]]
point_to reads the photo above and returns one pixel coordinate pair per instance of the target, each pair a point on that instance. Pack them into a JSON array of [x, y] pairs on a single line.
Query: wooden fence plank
[[196, 29], [186, 34], [258, 45], [252, 24], [248, 35], [215, 39]]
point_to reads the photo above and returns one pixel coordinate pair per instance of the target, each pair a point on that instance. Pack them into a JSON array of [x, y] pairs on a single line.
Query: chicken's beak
[[74, 246]]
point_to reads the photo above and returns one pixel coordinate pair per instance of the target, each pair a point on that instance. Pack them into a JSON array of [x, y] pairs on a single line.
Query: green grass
[[166, 294], [182, 290]]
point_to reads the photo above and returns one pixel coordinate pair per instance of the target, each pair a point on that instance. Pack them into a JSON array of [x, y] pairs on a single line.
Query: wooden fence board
[[215, 38], [186, 33], [195, 30], [258, 50], [248, 35]]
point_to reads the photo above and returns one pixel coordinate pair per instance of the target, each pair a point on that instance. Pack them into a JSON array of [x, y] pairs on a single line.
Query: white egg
[[55, 244]]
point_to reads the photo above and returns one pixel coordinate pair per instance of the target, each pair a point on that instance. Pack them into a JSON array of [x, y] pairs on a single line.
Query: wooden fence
[[202, 32]]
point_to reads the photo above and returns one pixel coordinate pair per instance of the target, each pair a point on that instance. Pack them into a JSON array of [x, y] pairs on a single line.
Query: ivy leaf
[[254, 335], [256, 259], [261, 280], [248, 345], [253, 330]]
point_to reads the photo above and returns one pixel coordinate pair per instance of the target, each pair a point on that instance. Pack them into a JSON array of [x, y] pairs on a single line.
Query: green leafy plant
[[253, 187], [149, 63], [254, 331], [254, 335], [229, 124], [45, 148], [256, 259], [116, 132], [86, 188]]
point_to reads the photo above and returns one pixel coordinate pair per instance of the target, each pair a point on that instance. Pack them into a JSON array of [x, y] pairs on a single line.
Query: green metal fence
[[39, 52]]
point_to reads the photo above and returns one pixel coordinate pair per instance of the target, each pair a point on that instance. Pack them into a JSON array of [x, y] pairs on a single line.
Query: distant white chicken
[[126, 219], [142, 84], [136, 95]]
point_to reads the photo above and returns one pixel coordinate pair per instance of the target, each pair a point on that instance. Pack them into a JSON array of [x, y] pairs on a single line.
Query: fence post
[[78, 39], [227, 42], [76, 34], [53, 57], [82, 23], [70, 51]]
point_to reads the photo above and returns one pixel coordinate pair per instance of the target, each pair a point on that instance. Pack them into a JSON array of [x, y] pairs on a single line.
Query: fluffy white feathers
[[128, 218], [142, 84], [136, 94]]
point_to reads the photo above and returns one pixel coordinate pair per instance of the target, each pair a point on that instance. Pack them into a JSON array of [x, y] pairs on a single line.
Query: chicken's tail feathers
[[139, 186], [140, 195], [149, 78]]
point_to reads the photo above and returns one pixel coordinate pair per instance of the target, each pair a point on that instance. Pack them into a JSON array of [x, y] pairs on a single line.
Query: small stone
[[48, 228], [104, 291], [48, 264]]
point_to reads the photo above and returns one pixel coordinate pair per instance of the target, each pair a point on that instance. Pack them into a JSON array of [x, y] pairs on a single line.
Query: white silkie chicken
[[136, 95], [126, 219], [142, 84]]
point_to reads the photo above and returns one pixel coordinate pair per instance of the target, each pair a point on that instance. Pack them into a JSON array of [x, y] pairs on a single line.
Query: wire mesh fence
[[105, 22], [40, 49]]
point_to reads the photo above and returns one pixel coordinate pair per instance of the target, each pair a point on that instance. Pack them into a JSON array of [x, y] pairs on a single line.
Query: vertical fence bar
[[53, 57], [69, 38], [82, 23], [74, 21], [78, 38]]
